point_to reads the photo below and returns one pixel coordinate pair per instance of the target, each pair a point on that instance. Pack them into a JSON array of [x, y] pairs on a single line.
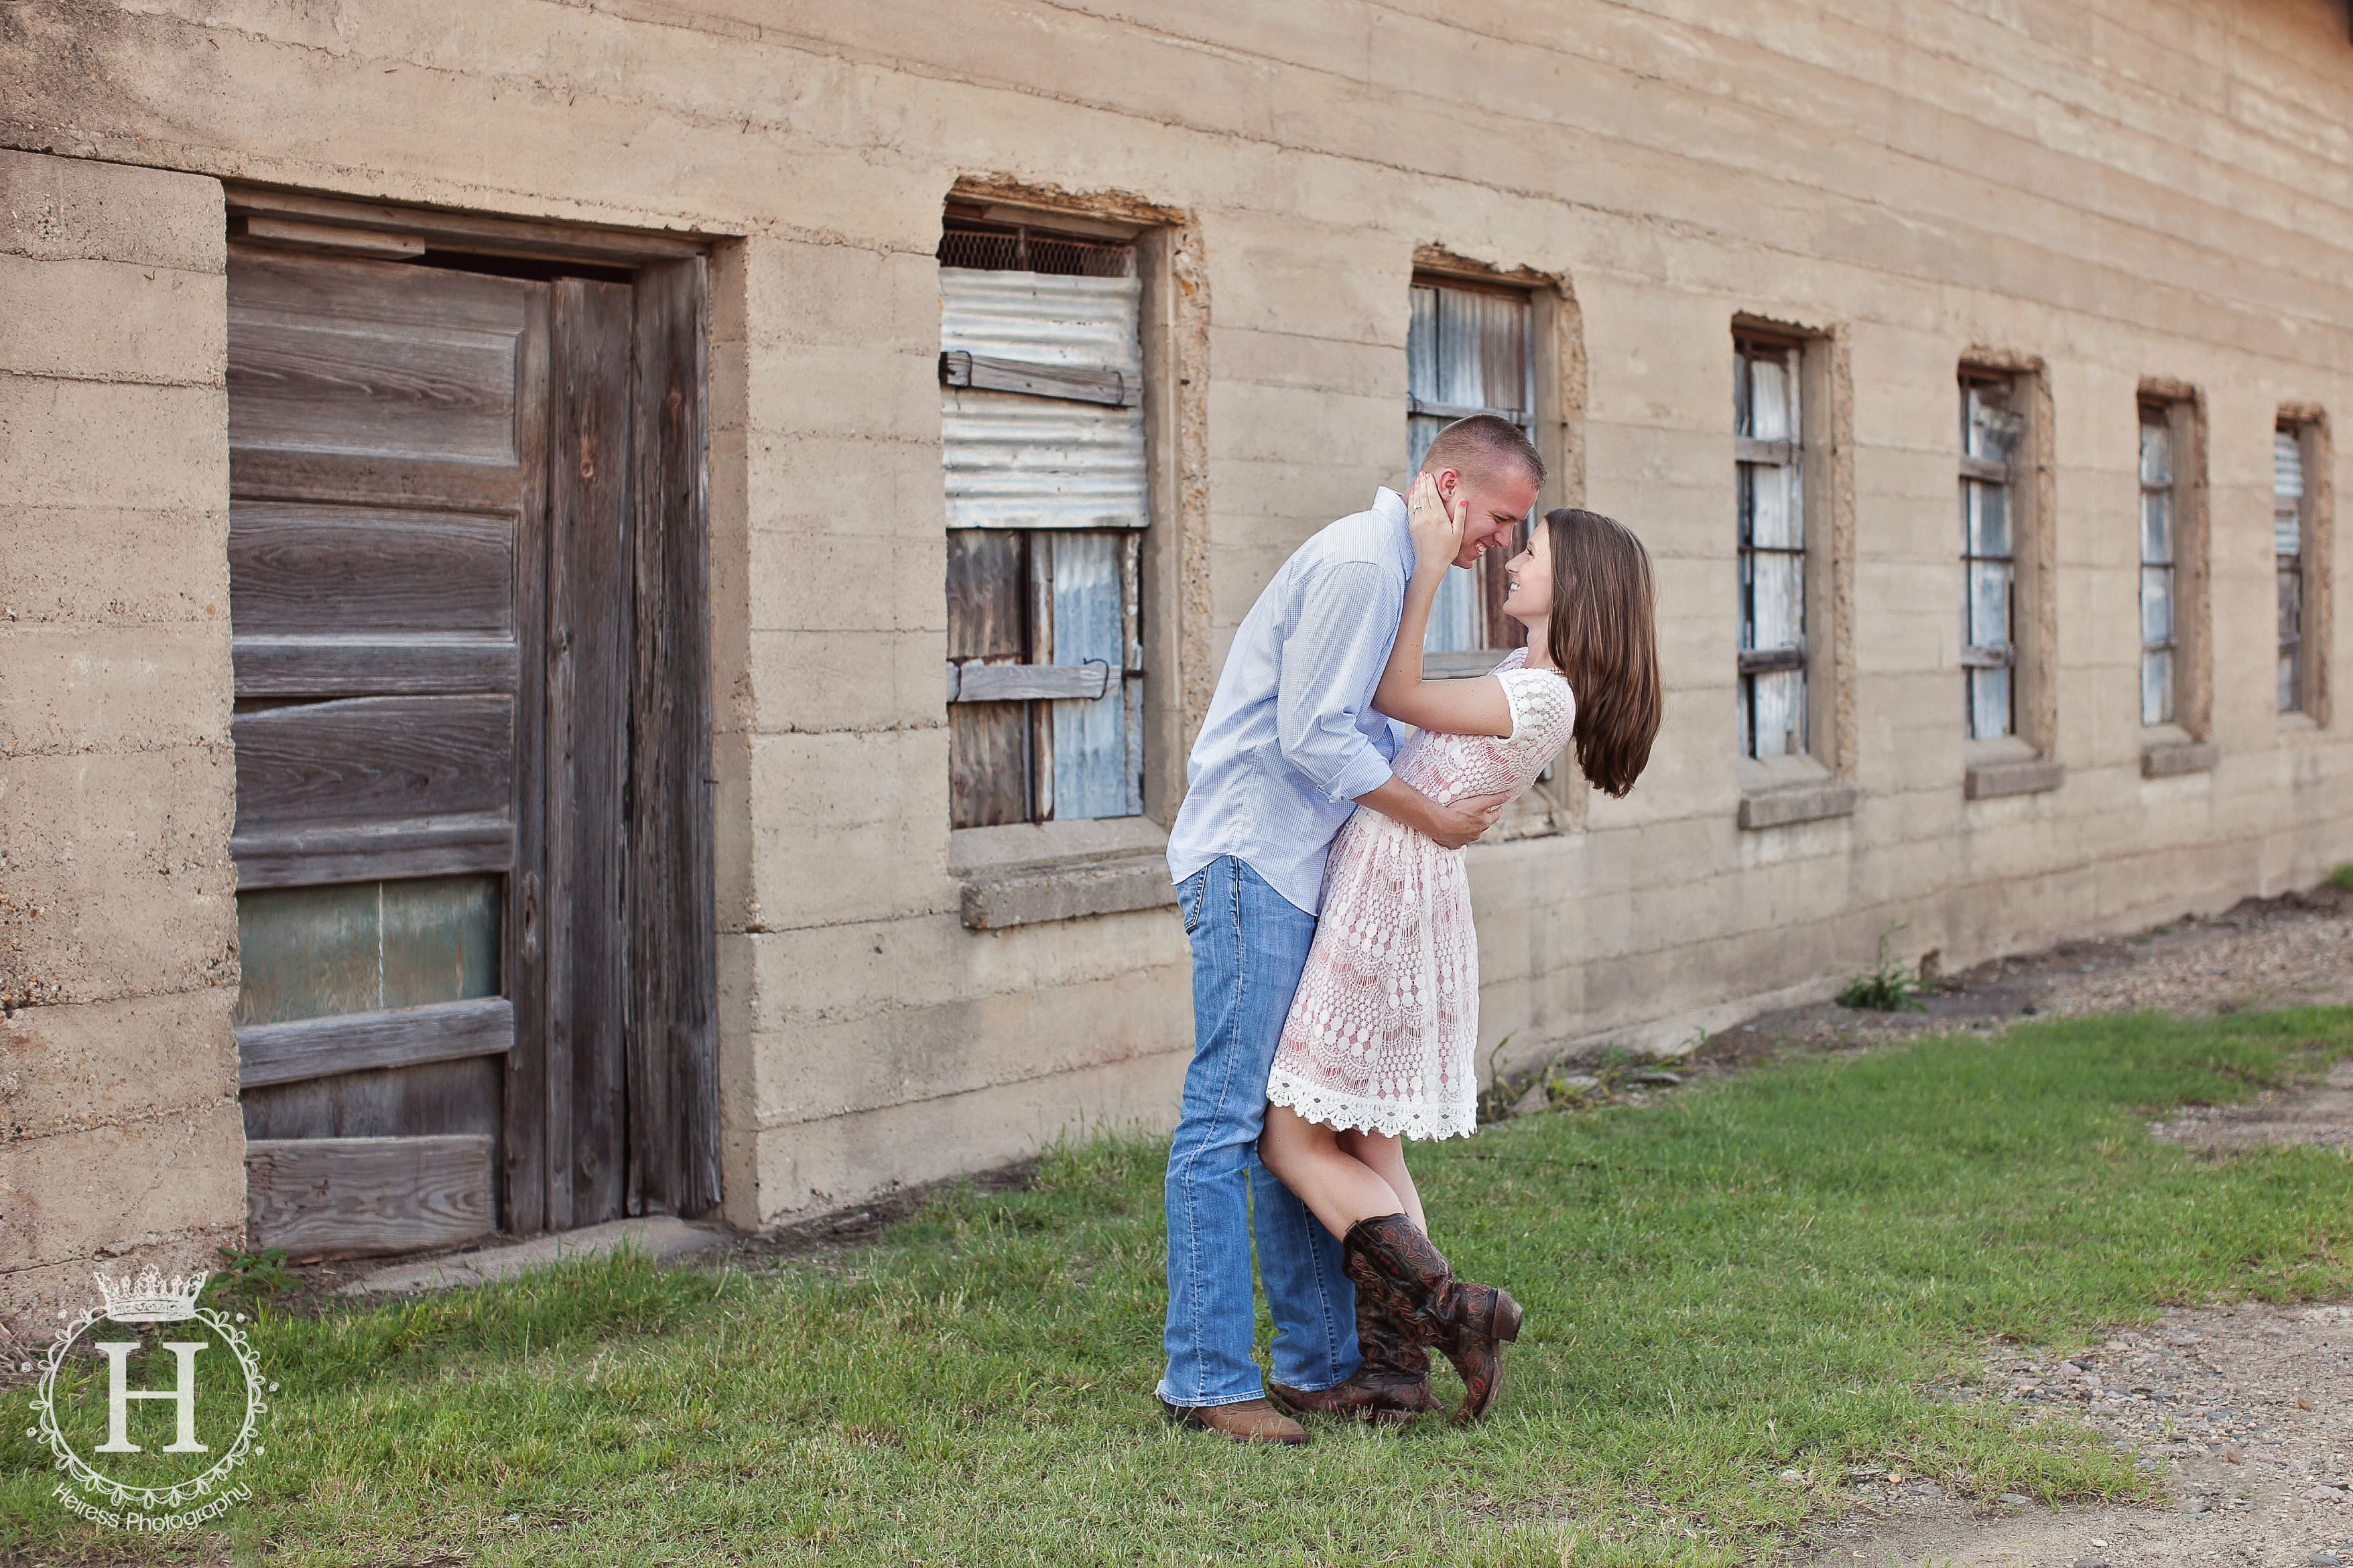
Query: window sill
[[1789, 790], [1027, 874], [1991, 777], [1465, 665], [2171, 759]]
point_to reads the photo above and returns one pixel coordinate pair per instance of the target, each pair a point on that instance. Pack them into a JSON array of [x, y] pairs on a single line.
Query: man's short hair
[[1482, 445]]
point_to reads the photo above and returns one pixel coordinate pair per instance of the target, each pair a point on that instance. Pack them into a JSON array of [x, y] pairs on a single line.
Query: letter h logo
[[119, 1398]]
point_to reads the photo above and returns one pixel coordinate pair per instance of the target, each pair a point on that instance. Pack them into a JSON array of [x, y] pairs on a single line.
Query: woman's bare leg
[[1338, 1188], [1384, 1157]]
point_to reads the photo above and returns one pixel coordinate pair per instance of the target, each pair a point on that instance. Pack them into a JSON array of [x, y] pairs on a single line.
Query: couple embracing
[[1320, 1044]]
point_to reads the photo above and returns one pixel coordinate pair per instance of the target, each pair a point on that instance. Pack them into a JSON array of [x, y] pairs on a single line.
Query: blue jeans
[[1249, 943]]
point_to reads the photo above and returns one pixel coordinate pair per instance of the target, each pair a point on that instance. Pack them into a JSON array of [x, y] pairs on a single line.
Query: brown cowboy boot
[[1247, 1421], [1391, 1384], [1468, 1322]]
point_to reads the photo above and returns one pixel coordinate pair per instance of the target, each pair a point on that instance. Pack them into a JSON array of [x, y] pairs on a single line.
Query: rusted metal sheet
[[1018, 460]]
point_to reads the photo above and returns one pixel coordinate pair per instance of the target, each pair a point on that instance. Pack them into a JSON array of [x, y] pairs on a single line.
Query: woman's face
[[1529, 576]]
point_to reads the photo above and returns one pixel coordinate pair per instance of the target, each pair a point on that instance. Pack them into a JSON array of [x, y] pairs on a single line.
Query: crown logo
[[150, 1297]]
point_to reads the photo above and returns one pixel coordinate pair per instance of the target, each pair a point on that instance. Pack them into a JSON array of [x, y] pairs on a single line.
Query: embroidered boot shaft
[[1468, 1322]]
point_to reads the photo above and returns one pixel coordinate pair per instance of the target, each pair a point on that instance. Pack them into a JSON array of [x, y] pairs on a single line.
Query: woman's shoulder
[[1540, 699]]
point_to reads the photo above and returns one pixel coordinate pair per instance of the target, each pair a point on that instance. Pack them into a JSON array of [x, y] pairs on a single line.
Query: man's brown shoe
[[1249, 1421]]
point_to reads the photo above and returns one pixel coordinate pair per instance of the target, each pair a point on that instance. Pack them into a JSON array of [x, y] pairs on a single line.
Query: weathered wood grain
[[590, 620], [308, 568], [350, 1042], [361, 851], [360, 1195], [468, 232], [989, 619], [354, 667], [323, 479], [310, 383], [1076, 384], [366, 760], [523, 1143], [673, 1112], [1027, 683]]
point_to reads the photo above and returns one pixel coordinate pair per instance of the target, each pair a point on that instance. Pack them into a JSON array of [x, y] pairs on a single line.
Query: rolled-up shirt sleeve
[[1336, 642]]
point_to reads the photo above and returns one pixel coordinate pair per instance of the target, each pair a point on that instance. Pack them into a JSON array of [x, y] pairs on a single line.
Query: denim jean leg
[[1211, 1319], [1314, 1305]]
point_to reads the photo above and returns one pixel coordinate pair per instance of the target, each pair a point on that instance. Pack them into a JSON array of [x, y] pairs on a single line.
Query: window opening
[[1769, 452]]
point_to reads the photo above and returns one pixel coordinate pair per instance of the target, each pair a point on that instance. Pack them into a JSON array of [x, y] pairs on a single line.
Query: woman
[[1380, 1042]]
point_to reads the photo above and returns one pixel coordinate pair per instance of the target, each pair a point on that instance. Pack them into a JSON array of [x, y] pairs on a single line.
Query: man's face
[[1497, 506]]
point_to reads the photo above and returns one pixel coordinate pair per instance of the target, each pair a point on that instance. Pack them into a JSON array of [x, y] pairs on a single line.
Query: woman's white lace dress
[[1385, 1026]]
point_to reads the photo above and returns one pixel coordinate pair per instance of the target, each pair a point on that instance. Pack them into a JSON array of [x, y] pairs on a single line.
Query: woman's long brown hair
[[1605, 638]]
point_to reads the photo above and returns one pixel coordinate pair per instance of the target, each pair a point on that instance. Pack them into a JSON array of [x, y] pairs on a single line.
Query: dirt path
[[2292, 950], [2249, 1410]]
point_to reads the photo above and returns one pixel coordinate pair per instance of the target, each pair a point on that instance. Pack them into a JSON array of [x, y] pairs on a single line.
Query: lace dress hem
[[1327, 1107]]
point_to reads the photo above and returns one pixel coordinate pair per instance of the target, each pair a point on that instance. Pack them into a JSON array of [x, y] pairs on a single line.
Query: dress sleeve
[[1544, 709]]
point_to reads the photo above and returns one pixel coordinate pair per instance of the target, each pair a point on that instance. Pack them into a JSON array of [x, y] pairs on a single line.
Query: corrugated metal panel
[[2287, 466], [1015, 461]]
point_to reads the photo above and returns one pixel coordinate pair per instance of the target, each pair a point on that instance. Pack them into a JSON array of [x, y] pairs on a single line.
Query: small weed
[[1890, 987], [2341, 878], [253, 1276], [1495, 1100]]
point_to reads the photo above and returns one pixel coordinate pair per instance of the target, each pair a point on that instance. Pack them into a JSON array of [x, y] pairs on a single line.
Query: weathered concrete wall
[[118, 1130], [2126, 190]]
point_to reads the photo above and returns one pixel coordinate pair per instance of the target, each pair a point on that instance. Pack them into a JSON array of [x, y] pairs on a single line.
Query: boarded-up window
[[1466, 352], [1042, 429], [2288, 555], [2157, 642], [1991, 427], [1768, 453]]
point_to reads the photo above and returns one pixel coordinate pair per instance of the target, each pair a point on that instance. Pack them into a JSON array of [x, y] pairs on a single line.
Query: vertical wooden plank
[[590, 616], [989, 620], [672, 1044], [524, 1144]]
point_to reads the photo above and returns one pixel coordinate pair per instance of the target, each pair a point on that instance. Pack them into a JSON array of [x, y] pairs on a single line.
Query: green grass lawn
[[1778, 1270]]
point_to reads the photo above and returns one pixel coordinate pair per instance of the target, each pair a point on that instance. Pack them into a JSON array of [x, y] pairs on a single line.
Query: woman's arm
[[1455, 707]]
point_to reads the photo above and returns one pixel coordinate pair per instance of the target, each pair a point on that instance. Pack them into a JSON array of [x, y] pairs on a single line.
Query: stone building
[[489, 494]]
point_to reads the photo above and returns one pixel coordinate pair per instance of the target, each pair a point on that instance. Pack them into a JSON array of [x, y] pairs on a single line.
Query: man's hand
[[1462, 822], [1452, 826]]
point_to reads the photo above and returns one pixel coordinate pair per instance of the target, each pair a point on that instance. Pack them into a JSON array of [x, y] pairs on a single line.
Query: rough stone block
[[94, 1193], [73, 208], [62, 444], [77, 564], [105, 321], [101, 1063]]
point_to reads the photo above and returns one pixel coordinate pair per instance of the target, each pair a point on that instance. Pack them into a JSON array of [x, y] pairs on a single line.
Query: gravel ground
[[2295, 949], [2247, 1410]]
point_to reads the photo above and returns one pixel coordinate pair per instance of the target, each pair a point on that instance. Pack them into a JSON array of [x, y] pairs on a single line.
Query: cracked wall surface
[[119, 1129], [2116, 190]]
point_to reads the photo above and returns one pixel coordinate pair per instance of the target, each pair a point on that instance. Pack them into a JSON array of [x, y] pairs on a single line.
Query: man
[[1290, 746]]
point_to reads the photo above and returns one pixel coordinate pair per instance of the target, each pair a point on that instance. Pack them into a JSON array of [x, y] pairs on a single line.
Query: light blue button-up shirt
[[1291, 738]]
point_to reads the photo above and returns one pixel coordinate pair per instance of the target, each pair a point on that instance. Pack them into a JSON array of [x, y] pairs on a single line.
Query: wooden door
[[461, 1009]]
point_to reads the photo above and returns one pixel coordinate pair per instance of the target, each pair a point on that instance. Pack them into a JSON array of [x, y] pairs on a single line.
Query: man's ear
[[1447, 479]]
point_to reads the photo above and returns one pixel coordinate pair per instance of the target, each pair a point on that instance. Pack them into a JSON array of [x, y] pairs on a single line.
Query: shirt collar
[[1391, 505]]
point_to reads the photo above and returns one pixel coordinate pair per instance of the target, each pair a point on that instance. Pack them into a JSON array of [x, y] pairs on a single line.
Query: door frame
[[671, 1062]]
